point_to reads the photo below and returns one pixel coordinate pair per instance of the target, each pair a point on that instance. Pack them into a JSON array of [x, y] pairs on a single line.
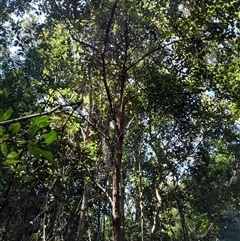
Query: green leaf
[[5, 93], [20, 168], [50, 137], [48, 156], [1, 131], [7, 114], [34, 150], [4, 149], [41, 121], [14, 128], [27, 178], [1, 114], [12, 161], [12, 155], [32, 132], [38, 152], [5, 137]]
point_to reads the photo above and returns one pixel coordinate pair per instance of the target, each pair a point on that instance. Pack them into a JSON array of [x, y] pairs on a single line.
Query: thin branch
[[93, 126], [103, 59], [29, 116], [98, 185], [146, 55], [84, 43], [104, 191], [65, 124], [107, 87], [206, 231], [20, 119], [109, 26], [160, 47]]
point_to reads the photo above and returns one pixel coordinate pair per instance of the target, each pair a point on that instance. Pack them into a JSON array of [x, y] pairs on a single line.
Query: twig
[[206, 230]]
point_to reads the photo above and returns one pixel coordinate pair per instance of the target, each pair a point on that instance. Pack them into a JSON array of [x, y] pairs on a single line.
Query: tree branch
[[84, 43], [104, 191], [106, 86], [20, 119], [109, 26], [98, 185], [160, 47]]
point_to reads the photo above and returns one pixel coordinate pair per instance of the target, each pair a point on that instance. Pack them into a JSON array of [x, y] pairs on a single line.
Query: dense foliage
[[119, 120]]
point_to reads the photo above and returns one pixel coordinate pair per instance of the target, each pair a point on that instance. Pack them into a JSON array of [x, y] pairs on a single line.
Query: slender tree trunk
[[103, 227], [116, 198], [83, 210], [157, 210], [99, 221], [116, 184], [182, 217], [183, 223], [44, 227], [139, 186], [122, 202], [117, 114], [141, 202], [85, 135]]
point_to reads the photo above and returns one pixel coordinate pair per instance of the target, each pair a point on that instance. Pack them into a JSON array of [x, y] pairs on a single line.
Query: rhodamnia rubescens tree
[[158, 81], [176, 42]]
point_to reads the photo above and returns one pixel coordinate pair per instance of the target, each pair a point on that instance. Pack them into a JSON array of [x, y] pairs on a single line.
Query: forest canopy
[[119, 120]]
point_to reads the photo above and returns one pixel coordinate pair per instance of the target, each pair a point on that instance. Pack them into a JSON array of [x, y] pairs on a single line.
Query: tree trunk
[[116, 198], [182, 217], [183, 223], [122, 202], [116, 179], [82, 213], [139, 190]]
